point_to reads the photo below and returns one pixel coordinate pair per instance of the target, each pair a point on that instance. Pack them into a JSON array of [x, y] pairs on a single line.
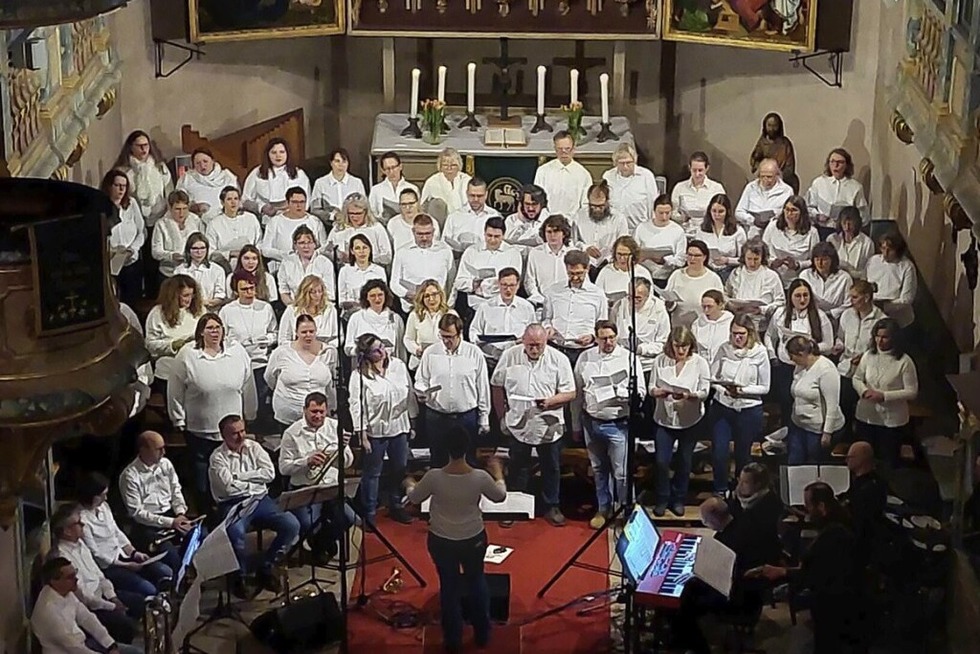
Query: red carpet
[[539, 551]]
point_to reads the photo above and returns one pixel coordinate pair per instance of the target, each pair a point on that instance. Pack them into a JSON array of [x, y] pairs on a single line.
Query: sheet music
[[786, 334], [516, 503], [649, 253], [762, 218], [215, 557], [667, 295], [612, 379], [117, 262], [714, 564], [481, 273], [152, 559], [495, 557], [837, 477], [795, 479], [742, 305], [188, 612]]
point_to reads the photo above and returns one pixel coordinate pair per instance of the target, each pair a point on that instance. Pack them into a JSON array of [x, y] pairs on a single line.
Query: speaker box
[[834, 25], [499, 585], [303, 625]]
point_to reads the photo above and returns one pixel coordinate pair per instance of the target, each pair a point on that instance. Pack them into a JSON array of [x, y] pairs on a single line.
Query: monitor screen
[[637, 545], [191, 544]]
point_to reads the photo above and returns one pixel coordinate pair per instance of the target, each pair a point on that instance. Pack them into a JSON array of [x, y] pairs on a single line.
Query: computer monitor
[[191, 544], [637, 545]]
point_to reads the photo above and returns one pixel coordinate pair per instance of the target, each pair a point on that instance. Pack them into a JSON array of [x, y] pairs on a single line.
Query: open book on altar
[[505, 137]]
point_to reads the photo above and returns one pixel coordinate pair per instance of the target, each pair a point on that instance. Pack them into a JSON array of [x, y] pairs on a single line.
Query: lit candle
[[441, 95], [573, 82], [413, 110], [604, 92], [542, 71], [470, 87]]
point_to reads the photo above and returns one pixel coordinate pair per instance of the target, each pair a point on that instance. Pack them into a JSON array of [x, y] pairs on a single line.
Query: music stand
[[305, 497]]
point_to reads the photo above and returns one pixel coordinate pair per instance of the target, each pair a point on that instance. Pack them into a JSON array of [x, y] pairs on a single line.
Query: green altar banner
[[504, 177]]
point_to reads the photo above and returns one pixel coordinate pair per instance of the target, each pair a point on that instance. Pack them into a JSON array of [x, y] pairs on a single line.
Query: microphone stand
[[342, 400]]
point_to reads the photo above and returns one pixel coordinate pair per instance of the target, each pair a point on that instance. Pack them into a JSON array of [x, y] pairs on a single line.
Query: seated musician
[[241, 469], [307, 446], [154, 500], [758, 510], [866, 497]]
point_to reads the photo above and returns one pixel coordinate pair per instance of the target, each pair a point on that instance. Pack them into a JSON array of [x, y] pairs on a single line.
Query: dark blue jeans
[[549, 461], [744, 427], [438, 425], [397, 449], [460, 565], [332, 526], [200, 449], [267, 515], [885, 441], [606, 441], [674, 490], [803, 446], [143, 582]]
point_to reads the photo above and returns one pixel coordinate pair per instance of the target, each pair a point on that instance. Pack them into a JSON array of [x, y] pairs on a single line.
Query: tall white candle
[[441, 94], [413, 111], [573, 82], [470, 87], [542, 71], [604, 91]]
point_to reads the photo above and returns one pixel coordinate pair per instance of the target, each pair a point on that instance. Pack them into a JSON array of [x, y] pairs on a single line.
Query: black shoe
[[677, 509], [269, 580], [400, 515], [325, 553], [659, 509], [238, 587]]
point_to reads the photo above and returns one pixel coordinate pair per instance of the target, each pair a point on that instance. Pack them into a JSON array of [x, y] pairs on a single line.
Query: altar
[[504, 169]]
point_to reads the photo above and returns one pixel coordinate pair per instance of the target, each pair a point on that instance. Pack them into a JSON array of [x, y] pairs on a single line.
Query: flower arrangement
[[433, 119], [573, 113]]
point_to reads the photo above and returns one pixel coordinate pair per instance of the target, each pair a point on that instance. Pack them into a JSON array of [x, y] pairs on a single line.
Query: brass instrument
[[158, 624], [316, 473], [393, 583]]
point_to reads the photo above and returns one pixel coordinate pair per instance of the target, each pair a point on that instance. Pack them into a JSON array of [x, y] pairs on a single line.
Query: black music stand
[[305, 497]]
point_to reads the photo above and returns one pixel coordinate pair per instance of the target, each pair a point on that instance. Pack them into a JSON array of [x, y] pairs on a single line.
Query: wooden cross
[[580, 62]]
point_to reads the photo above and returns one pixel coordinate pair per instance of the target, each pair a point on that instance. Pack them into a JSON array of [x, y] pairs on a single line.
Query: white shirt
[[414, 265], [325, 321], [605, 401], [387, 325], [632, 196], [253, 327], [749, 368], [421, 333], [150, 183], [762, 284], [375, 233], [669, 237], [352, 278], [896, 284], [711, 334], [292, 379], [328, 191], [790, 243], [691, 290], [277, 243], [755, 199], [401, 232], [169, 239], [129, 232], [203, 389], [246, 473], [206, 189], [210, 278], [652, 328], [816, 398], [270, 286], [525, 381], [299, 441], [463, 377], [148, 492], [228, 234], [385, 196], [896, 378], [61, 623], [777, 337], [723, 245], [833, 294], [478, 258], [854, 333], [694, 377], [94, 590], [525, 234], [383, 405], [464, 226], [573, 312], [611, 280], [567, 187], [104, 538], [827, 194], [272, 190], [293, 271], [497, 317], [600, 234], [545, 268], [854, 256], [691, 202], [453, 193], [160, 337]]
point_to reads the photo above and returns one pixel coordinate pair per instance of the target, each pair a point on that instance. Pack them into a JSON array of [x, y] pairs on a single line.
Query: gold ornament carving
[[25, 109], [928, 171], [902, 129], [956, 213], [107, 102]]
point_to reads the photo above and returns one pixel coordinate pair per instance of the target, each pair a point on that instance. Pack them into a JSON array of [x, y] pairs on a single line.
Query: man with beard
[[523, 226], [596, 228]]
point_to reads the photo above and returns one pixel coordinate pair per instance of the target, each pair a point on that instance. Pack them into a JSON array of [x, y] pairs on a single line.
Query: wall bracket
[[834, 57], [160, 48]]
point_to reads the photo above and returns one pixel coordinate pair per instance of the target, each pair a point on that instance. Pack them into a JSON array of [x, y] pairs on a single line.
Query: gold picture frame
[[281, 19], [780, 25]]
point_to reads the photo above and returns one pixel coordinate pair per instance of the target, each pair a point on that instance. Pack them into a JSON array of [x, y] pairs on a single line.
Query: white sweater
[[712, 334], [816, 398], [169, 240], [749, 368], [896, 378], [203, 389], [691, 289], [833, 293]]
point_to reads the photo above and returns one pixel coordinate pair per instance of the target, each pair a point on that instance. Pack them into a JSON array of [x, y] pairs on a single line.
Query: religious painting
[[785, 25], [244, 20]]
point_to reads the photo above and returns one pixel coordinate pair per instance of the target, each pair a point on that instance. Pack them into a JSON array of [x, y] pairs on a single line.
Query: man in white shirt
[[307, 446], [457, 371], [763, 199], [691, 196], [530, 386], [503, 313], [464, 227], [524, 225], [426, 259], [61, 623], [565, 180], [384, 195], [240, 470], [572, 308], [93, 589], [476, 278], [597, 227], [400, 226], [632, 188], [602, 377]]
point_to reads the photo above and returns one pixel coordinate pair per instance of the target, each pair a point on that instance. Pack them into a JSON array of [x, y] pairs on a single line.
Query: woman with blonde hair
[[250, 260], [422, 326], [298, 368], [448, 183], [311, 300], [355, 217], [171, 322]]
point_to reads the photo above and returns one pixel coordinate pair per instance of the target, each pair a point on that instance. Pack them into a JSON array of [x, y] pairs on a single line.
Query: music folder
[[793, 480], [516, 505]]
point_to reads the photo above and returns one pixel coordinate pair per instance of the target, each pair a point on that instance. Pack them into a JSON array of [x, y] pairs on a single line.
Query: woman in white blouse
[[251, 323], [251, 261], [382, 407], [712, 325], [886, 381], [211, 379], [546, 262], [894, 277], [265, 188], [665, 238], [171, 232], [831, 285], [422, 326], [854, 247], [127, 236], [815, 390], [652, 323], [304, 260], [854, 336], [790, 239], [690, 284], [614, 277], [231, 229], [355, 217], [723, 235], [376, 317], [204, 183], [742, 371], [331, 190], [833, 190], [448, 183], [299, 368], [754, 288], [357, 272], [210, 277], [311, 300], [150, 182], [679, 382], [800, 315], [277, 242], [172, 321]]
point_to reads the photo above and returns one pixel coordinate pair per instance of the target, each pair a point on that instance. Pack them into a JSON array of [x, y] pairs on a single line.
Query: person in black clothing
[[865, 499], [829, 570], [757, 509]]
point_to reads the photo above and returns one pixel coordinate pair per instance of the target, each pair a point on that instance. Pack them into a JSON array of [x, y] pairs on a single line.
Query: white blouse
[[827, 194], [129, 232], [292, 379], [761, 285], [711, 334], [328, 191], [387, 326], [896, 284], [270, 285], [694, 377], [777, 335], [790, 243], [723, 245], [669, 237], [854, 256], [833, 294], [816, 397], [160, 336], [252, 326], [611, 280], [210, 278], [453, 193], [632, 197], [292, 272], [375, 232], [545, 268], [206, 189], [384, 197], [896, 378], [421, 333], [691, 202], [228, 234], [169, 239], [203, 389], [854, 334], [383, 405], [652, 328], [352, 279], [691, 290], [277, 243], [326, 325], [272, 190]]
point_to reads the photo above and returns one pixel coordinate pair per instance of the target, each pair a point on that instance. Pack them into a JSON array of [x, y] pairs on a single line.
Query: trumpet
[[316, 473], [393, 583]]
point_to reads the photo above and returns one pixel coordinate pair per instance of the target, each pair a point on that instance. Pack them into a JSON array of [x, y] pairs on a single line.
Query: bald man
[[763, 199], [866, 498], [153, 498]]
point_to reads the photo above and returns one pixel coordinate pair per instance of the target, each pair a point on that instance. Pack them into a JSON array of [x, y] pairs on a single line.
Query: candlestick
[[470, 87], [606, 133], [573, 83], [441, 94], [604, 96], [542, 71], [413, 110], [412, 130]]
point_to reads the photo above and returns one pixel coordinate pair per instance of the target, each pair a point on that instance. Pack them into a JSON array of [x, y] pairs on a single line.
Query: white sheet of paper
[[117, 262], [515, 504], [667, 295], [741, 305], [612, 379], [837, 477], [787, 334], [496, 557], [216, 556], [715, 565], [189, 612], [152, 559]]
